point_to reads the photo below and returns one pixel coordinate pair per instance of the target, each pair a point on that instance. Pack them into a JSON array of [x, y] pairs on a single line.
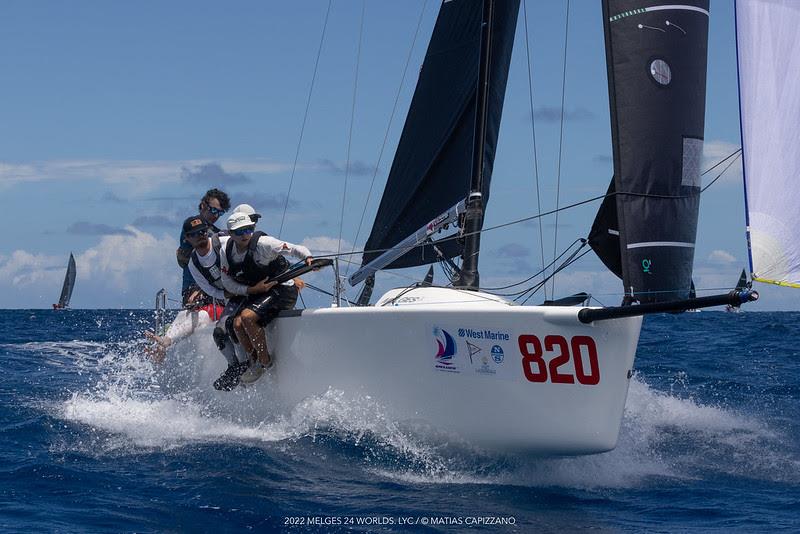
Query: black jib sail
[[656, 58], [433, 164], [69, 284]]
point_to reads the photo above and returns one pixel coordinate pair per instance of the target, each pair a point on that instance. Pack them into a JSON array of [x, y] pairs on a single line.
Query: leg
[[256, 336], [241, 333]]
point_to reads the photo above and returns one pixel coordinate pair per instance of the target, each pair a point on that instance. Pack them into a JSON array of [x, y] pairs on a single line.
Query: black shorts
[[267, 305]]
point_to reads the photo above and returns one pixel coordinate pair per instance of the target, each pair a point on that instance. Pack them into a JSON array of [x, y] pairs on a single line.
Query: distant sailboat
[[69, 285]]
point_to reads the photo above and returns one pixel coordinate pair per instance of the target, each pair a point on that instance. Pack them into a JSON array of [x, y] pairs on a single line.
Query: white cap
[[248, 210], [239, 220]]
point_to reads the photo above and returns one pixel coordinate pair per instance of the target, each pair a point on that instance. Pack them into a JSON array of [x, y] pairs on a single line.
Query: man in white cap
[[250, 260]]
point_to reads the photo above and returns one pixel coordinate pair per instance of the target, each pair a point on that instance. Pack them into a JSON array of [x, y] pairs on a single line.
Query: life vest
[[248, 271], [212, 274]]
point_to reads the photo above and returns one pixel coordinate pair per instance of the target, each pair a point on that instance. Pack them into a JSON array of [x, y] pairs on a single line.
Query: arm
[[183, 252], [270, 247]]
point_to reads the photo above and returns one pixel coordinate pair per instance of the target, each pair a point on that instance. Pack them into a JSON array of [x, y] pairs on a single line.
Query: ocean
[[94, 438]]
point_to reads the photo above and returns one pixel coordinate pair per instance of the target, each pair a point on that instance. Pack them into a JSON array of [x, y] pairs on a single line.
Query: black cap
[[193, 224]]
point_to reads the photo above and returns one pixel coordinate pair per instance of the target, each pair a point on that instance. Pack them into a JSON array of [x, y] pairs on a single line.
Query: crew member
[[199, 311], [213, 204], [251, 259]]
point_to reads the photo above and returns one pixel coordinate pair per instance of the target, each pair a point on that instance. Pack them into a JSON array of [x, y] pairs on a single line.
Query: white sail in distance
[[768, 51]]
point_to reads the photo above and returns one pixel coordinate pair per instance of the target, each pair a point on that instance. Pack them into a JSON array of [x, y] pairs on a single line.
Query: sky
[[117, 117]]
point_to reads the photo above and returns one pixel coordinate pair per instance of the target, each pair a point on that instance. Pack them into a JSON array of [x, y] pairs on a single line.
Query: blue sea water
[[94, 439]]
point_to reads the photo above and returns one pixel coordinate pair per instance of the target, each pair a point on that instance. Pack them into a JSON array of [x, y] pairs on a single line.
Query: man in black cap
[[213, 204]]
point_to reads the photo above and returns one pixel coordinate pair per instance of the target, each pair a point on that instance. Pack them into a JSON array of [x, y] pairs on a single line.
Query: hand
[[299, 284], [261, 287], [308, 262]]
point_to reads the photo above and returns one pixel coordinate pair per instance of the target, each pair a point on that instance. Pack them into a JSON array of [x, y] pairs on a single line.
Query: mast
[[469, 278]]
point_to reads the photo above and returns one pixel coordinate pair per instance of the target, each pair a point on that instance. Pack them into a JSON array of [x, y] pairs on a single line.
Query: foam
[[662, 435]]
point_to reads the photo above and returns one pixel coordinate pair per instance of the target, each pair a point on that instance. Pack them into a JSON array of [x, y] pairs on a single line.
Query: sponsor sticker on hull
[[473, 350]]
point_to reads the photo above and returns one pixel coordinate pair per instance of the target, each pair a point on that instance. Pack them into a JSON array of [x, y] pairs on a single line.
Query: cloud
[[157, 221], [721, 256], [553, 114], [264, 201], [603, 159], [142, 175], [327, 245], [120, 271], [513, 250], [87, 228], [109, 196], [24, 268], [357, 168], [212, 174]]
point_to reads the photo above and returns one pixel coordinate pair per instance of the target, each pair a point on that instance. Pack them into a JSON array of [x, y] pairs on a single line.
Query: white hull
[[474, 387]]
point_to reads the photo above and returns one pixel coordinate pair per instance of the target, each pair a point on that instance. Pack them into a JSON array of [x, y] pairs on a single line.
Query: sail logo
[[445, 349]]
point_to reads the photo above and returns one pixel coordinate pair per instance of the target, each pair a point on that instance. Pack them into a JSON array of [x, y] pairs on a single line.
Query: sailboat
[[547, 379], [69, 285], [544, 380]]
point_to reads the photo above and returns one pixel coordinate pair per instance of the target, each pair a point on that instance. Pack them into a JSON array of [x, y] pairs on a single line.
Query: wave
[[141, 407]]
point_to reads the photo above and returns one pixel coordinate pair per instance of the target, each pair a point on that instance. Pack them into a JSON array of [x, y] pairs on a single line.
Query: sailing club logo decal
[[445, 350]]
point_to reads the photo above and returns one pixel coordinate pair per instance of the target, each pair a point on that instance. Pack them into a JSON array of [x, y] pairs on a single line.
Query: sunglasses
[[197, 233], [243, 231], [214, 211]]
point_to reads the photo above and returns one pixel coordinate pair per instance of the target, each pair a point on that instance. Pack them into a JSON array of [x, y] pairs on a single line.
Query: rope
[[305, 116], [386, 135], [352, 121], [560, 141], [533, 135]]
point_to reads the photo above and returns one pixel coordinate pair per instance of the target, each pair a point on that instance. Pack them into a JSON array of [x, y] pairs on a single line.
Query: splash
[[138, 406]]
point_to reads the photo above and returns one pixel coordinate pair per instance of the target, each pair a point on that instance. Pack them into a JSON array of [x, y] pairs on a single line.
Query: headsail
[[656, 57], [768, 51], [69, 284], [432, 166]]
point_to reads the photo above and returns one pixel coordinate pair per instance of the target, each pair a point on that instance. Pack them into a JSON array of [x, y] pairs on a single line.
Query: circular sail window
[[660, 71]]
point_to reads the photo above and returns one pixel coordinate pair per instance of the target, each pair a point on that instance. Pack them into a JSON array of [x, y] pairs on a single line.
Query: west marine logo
[[445, 347]]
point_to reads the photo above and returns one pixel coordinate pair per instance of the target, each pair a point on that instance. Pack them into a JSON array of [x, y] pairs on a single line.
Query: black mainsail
[[432, 167], [656, 58], [69, 284]]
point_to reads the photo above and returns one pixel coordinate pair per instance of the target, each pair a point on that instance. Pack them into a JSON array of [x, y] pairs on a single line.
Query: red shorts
[[213, 310]]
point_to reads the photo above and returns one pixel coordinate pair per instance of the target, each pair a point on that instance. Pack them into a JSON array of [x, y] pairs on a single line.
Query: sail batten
[[768, 55]]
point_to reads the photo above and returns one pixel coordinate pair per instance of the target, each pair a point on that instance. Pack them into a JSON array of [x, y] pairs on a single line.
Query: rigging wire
[[352, 121], [738, 154], [388, 129], [305, 116], [533, 136], [572, 259], [544, 269], [560, 141], [541, 215]]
